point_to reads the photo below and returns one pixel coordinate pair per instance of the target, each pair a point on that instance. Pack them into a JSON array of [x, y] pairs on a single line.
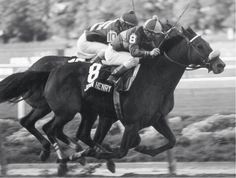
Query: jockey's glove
[[155, 52]]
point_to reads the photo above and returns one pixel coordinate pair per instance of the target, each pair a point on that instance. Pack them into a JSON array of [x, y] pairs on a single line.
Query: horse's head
[[200, 53]]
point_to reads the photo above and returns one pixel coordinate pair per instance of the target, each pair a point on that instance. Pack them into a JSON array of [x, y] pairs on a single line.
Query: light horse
[[149, 100]]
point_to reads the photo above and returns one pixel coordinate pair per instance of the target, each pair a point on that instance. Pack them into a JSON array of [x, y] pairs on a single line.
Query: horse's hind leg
[[52, 128], [163, 128], [70, 142], [61, 136], [29, 121]]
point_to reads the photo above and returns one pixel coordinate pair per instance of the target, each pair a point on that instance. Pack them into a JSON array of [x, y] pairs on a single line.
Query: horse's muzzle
[[216, 64]]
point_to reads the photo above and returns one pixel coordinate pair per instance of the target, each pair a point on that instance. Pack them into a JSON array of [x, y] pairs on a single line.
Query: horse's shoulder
[[168, 104]]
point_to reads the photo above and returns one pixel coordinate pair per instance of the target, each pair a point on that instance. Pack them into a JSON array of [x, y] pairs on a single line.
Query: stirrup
[[112, 79]]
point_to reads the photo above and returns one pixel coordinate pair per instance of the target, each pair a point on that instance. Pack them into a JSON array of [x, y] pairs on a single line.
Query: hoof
[[90, 169], [141, 149], [82, 161], [78, 148], [44, 155], [89, 152], [111, 165], [107, 147], [145, 150], [62, 169]]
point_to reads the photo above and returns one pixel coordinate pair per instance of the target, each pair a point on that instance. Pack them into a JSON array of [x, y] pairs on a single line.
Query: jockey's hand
[[155, 52]]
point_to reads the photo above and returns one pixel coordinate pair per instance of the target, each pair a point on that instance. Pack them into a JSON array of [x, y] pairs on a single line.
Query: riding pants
[[87, 49], [119, 58]]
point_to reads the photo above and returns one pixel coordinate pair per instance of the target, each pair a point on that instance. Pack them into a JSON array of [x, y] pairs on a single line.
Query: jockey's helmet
[[129, 18], [153, 25]]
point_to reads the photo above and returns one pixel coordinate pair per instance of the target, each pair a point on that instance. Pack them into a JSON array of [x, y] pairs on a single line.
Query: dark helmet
[[129, 18]]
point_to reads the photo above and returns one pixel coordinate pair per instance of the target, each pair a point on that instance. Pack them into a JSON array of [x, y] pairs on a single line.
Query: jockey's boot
[[99, 57], [116, 74], [96, 59]]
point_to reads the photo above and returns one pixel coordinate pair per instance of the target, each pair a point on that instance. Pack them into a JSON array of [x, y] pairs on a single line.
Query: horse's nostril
[[220, 65]]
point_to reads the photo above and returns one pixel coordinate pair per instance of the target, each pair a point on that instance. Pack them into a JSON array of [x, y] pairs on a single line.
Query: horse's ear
[[184, 31], [190, 30]]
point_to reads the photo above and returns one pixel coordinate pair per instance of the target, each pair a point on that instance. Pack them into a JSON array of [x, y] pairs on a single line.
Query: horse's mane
[[173, 38], [168, 44]]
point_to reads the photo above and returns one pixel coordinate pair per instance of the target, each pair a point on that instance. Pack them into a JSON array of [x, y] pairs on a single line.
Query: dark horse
[[11, 90], [147, 103], [149, 100], [21, 85]]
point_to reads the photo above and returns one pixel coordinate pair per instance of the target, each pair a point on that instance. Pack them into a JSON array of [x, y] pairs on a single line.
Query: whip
[[168, 31], [133, 5]]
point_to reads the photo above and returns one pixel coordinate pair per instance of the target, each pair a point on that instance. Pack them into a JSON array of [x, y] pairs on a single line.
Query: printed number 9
[[132, 38], [93, 72]]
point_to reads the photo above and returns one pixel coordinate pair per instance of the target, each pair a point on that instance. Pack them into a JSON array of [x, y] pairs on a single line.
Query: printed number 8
[[132, 38], [93, 72]]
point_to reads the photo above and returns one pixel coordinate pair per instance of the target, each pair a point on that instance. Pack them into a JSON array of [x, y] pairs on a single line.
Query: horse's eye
[[199, 46]]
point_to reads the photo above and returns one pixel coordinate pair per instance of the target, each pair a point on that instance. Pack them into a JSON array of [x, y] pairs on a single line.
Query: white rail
[[12, 68], [185, 83]]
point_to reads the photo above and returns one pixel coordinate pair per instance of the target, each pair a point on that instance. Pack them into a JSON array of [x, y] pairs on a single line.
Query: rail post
[[171, 159], [3, 161], [171, 162]]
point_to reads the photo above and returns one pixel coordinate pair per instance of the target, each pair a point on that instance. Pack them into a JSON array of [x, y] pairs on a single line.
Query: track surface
[[148, 169]]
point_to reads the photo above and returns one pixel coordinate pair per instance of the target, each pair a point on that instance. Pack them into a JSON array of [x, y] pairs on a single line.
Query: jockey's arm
[[136, 41], [96, 36], [135, 51]]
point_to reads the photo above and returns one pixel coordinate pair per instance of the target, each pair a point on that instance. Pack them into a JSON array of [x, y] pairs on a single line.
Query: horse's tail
[[18, 84], [71, 57]]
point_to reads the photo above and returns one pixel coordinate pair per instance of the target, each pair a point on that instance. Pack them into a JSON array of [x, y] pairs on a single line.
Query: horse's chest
[[143, 106]]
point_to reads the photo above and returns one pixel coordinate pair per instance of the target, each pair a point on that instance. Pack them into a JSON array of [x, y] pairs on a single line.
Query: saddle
[[98, 74]]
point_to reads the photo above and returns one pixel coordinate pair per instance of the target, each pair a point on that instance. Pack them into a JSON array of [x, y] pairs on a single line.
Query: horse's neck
[[163, 72], [168, 73], [172, 71]]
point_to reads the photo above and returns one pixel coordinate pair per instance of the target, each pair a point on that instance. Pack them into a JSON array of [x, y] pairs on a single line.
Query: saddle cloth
[[99, 82]]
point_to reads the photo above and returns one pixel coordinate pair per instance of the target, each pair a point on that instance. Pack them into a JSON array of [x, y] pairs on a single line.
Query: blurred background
[[203, 119]]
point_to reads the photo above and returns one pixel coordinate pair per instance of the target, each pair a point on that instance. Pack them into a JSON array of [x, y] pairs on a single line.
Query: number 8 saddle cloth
[[98, 74]]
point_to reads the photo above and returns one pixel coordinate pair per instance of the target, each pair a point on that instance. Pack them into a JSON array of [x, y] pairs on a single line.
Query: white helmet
[[153, 25]]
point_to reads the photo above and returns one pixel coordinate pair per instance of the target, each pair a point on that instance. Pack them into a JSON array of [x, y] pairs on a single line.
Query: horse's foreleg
[[129, 139], [29, 121], [83, 133], [103, 127], [163, 128], [67, 140]]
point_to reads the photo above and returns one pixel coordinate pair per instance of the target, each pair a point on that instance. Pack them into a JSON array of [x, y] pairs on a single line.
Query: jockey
[[131, 45], [96, 38]]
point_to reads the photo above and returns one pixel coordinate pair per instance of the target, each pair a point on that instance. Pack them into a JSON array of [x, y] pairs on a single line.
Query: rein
[[189, 67]]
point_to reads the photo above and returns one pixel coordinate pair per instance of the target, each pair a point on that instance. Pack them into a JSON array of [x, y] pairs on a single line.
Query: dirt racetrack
[[138, 169], [137, 176]]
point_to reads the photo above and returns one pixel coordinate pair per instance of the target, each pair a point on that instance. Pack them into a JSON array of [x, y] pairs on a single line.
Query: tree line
[[38, 20]]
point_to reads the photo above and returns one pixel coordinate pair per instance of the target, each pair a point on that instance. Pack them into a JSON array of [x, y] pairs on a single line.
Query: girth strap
[[117, 106]]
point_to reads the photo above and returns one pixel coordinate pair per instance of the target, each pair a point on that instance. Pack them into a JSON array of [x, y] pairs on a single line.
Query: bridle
[[205, 61]]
